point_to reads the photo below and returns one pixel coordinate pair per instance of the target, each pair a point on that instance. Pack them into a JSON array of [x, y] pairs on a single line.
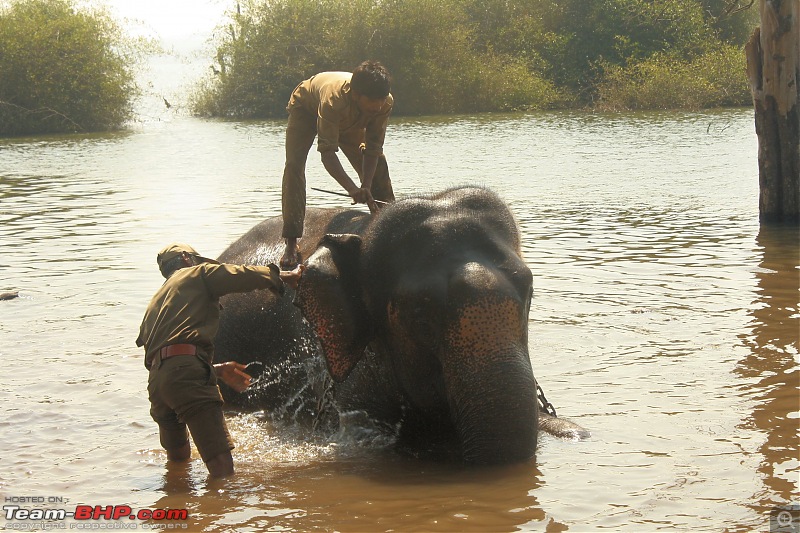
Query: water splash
[[267, 253], [307, 423], [302, 387]]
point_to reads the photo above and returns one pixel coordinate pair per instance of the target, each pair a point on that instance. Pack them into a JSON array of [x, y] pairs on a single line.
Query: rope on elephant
[[544, 405]]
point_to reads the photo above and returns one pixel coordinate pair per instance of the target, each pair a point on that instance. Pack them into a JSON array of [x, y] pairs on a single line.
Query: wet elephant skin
[[421, 315]]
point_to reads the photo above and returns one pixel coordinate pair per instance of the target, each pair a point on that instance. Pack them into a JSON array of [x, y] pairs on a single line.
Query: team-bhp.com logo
[[25, 514]]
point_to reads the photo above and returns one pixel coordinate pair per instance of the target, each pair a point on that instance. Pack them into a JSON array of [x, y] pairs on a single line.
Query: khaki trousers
[[183, 392], [300, 134]]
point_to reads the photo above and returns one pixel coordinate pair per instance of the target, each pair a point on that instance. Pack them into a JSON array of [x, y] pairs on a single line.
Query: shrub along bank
[[455, 56], [61, 69]]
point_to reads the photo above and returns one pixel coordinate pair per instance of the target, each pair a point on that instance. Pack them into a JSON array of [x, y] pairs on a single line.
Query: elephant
[[415, 318]]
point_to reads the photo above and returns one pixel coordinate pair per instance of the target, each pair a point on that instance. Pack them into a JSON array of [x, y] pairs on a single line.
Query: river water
[[665, 320]]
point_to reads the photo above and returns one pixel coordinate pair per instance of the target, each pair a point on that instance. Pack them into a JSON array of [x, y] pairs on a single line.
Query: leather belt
[[177, 349]]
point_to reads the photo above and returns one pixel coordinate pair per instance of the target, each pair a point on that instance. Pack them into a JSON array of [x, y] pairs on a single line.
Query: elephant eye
[[424, 323], [417, 316]]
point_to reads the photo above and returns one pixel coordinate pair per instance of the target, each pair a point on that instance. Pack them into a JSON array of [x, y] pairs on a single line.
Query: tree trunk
[[773, 68]]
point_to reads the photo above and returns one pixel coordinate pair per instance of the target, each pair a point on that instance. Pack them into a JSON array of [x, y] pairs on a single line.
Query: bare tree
[[773, 68]]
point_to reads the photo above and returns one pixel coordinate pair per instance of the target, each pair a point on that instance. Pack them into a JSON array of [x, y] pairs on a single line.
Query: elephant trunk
[[497, 424], [490, 383]]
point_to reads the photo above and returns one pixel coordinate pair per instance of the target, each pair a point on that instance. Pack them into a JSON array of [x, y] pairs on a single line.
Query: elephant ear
[[329, 296]]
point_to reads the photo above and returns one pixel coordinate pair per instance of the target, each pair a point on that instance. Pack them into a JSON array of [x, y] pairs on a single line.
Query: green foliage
[[61, 70], [430, 47], [733, 20], [450, 56], [614, 32], [714, 79], [427, 45]]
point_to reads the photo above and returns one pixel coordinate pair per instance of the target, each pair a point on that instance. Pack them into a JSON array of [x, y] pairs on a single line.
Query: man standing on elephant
[[182, 320], [343, 110]]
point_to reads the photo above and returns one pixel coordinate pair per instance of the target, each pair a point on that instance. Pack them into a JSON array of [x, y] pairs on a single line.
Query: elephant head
[[438, 288]]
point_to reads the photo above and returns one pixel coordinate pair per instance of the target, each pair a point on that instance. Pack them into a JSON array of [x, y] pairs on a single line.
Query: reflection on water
[[663, 320], [349, 495], [770, 370]]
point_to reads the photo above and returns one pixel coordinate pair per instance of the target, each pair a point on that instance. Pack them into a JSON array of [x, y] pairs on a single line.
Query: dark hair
[[169, 268], [372, 80]]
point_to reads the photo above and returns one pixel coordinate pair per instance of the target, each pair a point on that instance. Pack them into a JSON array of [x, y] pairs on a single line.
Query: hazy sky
[[183, 28], [174, 21]]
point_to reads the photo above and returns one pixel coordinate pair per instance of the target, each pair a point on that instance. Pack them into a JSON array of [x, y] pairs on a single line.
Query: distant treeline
[[65, 68], [456, 56]]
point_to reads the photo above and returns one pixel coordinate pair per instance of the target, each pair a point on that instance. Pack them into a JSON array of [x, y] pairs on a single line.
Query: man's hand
[[364, 196], [231, 373]]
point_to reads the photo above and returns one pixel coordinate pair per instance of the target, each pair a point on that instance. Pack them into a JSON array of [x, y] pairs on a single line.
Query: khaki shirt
[[186, 307], [328, 97]]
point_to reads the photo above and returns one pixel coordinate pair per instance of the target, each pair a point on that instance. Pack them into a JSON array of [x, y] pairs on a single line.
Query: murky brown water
[[664, 320]]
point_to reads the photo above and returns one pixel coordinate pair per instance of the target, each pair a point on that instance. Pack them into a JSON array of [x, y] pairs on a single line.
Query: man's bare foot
[[292, 278], [291, 255]]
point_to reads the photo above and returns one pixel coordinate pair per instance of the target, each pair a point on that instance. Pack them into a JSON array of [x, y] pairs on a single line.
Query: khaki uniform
[[183, 389], [322, 107]]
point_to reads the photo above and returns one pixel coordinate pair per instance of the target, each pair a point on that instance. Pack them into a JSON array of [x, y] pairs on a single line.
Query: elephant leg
[[562, 428]]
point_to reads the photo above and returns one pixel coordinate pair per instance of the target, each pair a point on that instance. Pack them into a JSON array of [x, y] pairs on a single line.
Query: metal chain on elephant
[[544, 405]]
